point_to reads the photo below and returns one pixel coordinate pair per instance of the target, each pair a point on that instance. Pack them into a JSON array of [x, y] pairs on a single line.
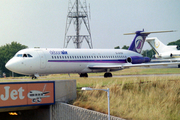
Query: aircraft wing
[[106, 67], [128, 65], [150, 64]]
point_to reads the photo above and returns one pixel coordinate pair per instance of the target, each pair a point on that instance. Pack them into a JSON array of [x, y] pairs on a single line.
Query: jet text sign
[[27, 93]]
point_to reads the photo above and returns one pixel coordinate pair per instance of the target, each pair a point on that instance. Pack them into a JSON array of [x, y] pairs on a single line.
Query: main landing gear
[[179, 66], [83, 75], [107, 75]]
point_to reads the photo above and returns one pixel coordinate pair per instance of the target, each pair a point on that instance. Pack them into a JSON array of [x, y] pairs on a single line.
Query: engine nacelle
[[137, 59]]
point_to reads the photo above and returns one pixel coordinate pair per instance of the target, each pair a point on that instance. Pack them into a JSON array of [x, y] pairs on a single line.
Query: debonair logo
[[138, 43], [37, 95], [156, 44]]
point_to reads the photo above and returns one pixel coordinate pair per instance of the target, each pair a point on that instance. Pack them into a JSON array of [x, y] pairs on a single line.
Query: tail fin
[[156, 45], [138, 42], [159, 47]]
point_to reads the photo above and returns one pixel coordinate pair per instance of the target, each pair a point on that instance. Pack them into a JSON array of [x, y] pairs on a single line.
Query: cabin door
[[42, 59]]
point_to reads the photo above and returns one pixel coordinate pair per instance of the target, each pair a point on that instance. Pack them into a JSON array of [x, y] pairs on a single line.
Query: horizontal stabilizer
[[150, 32]]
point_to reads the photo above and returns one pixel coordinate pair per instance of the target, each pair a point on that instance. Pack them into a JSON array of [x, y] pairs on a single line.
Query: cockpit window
[[19, 55], [29, 55], [23, 55]]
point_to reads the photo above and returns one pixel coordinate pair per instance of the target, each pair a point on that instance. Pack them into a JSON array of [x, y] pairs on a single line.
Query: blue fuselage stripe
[[91, 61]]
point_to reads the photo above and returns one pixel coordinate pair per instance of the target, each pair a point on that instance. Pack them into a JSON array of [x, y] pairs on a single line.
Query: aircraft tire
[[107, 75], [179, 66], [34, 77], [83, 75]]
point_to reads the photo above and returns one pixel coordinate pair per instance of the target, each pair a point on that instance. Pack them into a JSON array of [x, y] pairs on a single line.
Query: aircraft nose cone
[[10, 65]]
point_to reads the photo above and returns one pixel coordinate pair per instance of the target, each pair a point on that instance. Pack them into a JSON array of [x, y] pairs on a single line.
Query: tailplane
[[138, 42]]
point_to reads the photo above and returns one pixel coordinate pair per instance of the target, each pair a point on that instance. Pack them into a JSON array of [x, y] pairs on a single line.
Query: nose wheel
[[34, 77]]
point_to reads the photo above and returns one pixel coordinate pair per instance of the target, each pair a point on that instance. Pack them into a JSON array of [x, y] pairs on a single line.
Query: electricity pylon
[[78, 14]]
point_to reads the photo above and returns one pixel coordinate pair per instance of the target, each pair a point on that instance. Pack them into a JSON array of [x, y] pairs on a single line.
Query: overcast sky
[[41, 23]]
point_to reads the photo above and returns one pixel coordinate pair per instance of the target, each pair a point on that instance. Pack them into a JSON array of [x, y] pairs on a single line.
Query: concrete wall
[[63, 111], [65, 90]]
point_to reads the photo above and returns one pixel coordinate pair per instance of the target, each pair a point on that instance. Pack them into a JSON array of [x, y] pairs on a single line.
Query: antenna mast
[[77, 13]]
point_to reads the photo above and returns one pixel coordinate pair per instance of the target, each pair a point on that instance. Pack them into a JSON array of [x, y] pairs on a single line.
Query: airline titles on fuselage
[[52, 52]]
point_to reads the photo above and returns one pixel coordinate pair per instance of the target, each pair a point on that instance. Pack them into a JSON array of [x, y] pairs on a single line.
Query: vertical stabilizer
[[138, 42], [156, 45]]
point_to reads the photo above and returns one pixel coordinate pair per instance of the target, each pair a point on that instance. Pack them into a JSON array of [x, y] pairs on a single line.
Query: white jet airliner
[[37, 61], [164, 52]]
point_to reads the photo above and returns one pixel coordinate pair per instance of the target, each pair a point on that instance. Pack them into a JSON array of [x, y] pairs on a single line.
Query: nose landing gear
[[35, 76]]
